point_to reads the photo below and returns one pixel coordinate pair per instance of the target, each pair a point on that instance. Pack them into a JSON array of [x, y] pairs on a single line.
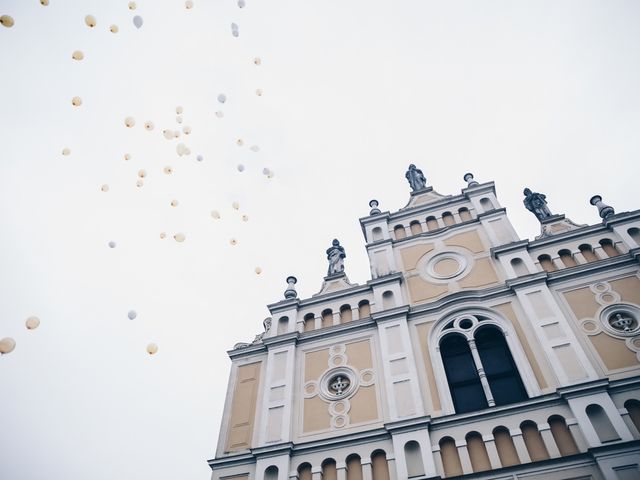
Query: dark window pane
[[502, 374], [464, 383]]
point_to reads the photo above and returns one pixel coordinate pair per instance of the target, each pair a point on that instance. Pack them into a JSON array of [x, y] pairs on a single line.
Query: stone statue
[[536, 203], [336, 256], [417, 180]]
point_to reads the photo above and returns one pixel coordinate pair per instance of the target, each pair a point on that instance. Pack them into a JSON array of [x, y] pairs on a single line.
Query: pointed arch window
[[478, 364]]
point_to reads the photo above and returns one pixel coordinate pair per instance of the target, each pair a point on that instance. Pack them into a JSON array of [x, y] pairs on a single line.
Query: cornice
[[335, 330]]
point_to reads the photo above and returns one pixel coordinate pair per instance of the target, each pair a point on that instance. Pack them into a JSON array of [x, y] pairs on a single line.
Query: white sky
[[538, 94]]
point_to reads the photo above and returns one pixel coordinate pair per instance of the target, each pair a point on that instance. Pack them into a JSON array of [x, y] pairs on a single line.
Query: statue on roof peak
[[416, 178]]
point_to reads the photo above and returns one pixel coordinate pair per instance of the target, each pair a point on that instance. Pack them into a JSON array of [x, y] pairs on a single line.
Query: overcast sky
[[538, 94]]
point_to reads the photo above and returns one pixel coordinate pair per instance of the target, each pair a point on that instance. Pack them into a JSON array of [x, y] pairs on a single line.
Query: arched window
[[387, 300], [587, 252], [283, 325], [450, 457], [432, 224], [499, 367], [634, 233], [376, 234], [327, 318], [413, 457], [415, 227], [546, 263], [364, 309], [506, 449], [567, 258], [309, 322], [609, 248], [477, 452], [465, 214], [633, 407], [354, 468], [271, 473], [486, 204], [464, 383], [533, 441], [345, 314], [399, 232], [562, 436], [379, 466], [447, 219], [519, 267], [601, 423], [304, 472], [329, 470]]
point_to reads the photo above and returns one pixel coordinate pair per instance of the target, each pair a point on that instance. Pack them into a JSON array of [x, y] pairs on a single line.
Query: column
[[521, 448], [549, 441], [577, 434], [481, 374], [597, 249], [336, 318], [355, 313], [341, 469], [316, 473], [393, 472], [367, 473], [558, 263], [492, 451], [437, 457], [317, 322], [463, 453], [579, 257]]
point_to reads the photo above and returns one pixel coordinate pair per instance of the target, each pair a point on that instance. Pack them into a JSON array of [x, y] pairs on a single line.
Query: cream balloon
[[152, 349], [168, 170], [132, 5], [76, 101], [77, 55], [90, 20], [148, 125], [188, 4], [32, 323], [104, 188], [6, 21], [129, 122], [7, 345], [179, 237], [215, 214], [174, 203], [113, 29], [66, 151]]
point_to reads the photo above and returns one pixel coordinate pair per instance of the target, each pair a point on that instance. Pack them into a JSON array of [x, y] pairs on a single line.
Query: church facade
[[470, 353]]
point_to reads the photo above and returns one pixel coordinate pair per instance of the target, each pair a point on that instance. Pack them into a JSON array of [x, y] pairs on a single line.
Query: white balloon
[[66, 151], [179, 110], [104, 188], [245, 218], [174, 203], [113, 29], [137, 21], [168, 170], [240, 168], [168, 134], [255, 148], [219, 114], [112, 244], [186, 129], [132, 314], [239, 142], [235, 205], [129, 122], [188, 4], [241, 3], [7, 345], [215, 214], [199, 158], [32, 323], [222, 98]]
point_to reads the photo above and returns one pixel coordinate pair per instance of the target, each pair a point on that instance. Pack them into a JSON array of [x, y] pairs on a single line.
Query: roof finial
[[604, 210], [468, 177], [374, 207], [290, 292]]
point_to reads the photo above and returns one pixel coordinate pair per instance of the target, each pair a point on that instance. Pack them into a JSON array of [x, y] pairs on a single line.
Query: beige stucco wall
[[364, 403], [243, 407], [613, 353]]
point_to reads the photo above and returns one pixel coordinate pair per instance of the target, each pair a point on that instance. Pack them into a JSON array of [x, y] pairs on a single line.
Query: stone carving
[[416, 179], [266, 323], [374, 207], [290, 292], [336, 256], [468, 177], [536, 203]]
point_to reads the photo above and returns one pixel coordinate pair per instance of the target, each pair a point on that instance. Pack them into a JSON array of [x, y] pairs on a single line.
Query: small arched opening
[[562, 436], [432, 224], [271, 473], [546, 263], [415, 227], [609, 248], [399, 232], [376, 234], [566, 257], [519, 268], [327, 318], [447, 219], [633, 407], [413, 459], [345, 314], [601, 423], [309, 322], [364, 309], [533, 441], [329, 470], [304, 472], [450, 457], [465, 214], [506, 448], [283, 325], [587, 252], [388, 300], [477, 452], [634, 233], [486, 204], [354, 467], [379, 466]]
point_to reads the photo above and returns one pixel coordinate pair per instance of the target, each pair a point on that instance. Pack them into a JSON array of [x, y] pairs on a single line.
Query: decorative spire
[[537, 204], [604, 210], [416, 179], [290, 292], [468, 177], [336, 256], [374, 207]]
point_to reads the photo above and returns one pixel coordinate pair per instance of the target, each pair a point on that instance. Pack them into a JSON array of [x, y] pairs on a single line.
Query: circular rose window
[[621, 320], [338, 383], [447, 265]]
